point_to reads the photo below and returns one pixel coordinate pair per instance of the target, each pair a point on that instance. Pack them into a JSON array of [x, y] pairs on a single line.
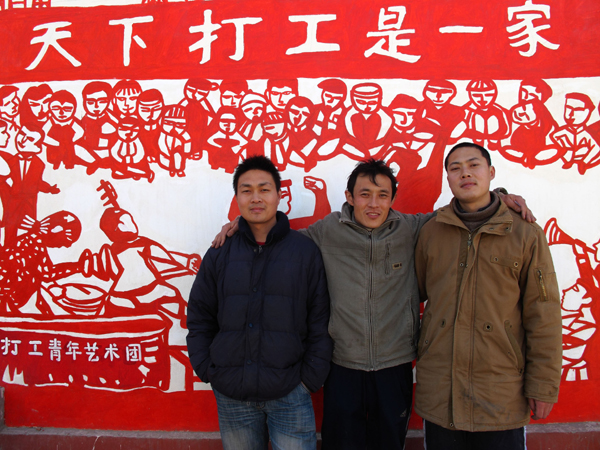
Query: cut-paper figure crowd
[[127, 133]]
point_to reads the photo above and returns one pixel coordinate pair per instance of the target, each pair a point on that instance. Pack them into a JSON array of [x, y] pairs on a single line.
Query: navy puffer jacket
[[258, 315]]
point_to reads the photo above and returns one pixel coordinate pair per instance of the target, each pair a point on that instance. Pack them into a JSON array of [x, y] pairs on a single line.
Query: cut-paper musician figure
[[580, 307], [26, 264], [138, 267]]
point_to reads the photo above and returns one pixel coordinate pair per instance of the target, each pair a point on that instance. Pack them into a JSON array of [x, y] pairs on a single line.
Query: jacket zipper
[[387, 259], [542, 285], [369, 310]]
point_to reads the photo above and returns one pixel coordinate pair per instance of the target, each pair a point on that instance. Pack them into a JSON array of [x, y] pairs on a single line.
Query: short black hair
[[482, 150], [257, 162], [371, 168]]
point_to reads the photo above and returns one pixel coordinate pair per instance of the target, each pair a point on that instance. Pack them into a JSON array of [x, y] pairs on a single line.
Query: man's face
[[10, 105], [172, 125], [298, 116], [126, 101], [40, 108], [194, 94], [371, 202], [332, 100], [28, 141], [438, 96], [227, 123], [4, 136], [576, 113], [230, 98], [95, 104], [483, 99], [150, 112], [62, 112], [253, 111], [524, 114], [527, 93], [275, 129], [404, 117], [128, 133], [469, 177], [280, 96], [367, 105], [257, 197]]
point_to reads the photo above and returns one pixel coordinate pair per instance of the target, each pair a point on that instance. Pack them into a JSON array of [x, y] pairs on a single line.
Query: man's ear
[[492, 172], [349, 198]]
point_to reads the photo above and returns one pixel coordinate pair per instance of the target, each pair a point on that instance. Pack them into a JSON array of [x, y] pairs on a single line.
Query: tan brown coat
[[491, 331]]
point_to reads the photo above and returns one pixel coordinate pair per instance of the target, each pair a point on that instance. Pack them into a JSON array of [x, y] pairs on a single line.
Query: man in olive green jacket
[[490, 343]]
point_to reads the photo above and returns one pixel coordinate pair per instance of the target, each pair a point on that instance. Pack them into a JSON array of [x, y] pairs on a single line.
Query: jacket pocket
[[547, 285], [512, 263], [514, 344], [424, 340]]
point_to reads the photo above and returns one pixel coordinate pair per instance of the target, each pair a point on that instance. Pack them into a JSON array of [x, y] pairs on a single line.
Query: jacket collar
[[347, 216], [500, 223], [278, 232]]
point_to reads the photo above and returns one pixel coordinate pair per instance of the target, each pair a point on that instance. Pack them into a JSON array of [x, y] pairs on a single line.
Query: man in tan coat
[[490, 345]]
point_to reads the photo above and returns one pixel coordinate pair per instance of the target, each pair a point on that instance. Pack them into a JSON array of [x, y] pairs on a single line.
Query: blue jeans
[[290, 422]]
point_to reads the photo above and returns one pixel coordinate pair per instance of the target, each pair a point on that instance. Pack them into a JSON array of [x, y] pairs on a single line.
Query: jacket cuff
[[541, 391]]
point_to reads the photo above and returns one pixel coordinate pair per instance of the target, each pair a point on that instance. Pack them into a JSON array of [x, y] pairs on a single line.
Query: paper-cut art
[[366, 122], [162, 101], [24, 182], [580, 307], [580, 147], [227, 147], [487, 121]]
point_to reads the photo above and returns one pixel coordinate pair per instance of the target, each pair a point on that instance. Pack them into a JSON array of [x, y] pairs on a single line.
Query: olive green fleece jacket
[[374, 319]]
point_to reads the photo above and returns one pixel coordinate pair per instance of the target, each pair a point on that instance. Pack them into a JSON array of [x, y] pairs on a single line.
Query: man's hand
[[518, 204], [228, 230], [540, 409]]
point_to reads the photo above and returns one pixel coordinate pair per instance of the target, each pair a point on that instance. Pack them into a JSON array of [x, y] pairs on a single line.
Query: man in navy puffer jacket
[[257, 318]]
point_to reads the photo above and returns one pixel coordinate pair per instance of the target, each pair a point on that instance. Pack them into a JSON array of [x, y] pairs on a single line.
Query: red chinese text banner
[[411, 39]]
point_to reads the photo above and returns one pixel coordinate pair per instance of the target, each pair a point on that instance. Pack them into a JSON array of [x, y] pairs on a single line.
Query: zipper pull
[[469, 242]]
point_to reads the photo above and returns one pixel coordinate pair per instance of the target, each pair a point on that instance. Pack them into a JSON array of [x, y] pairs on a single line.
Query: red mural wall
[[120, 127]]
